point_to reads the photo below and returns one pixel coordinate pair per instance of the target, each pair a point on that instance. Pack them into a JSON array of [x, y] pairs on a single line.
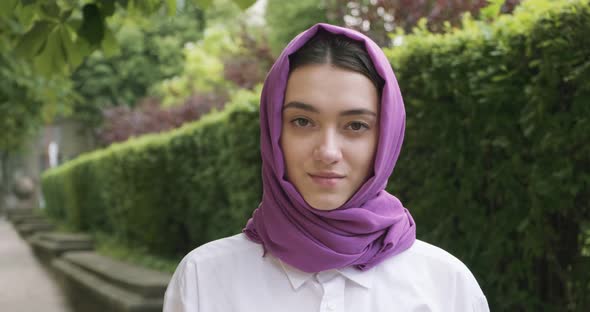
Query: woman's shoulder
[[433, 273], [215, 265], [233, 247], [431, 255], [425, 262]]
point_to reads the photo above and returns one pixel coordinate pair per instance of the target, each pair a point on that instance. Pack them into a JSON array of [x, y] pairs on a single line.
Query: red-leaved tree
[[121, 122], [377, 18], [245, 70]]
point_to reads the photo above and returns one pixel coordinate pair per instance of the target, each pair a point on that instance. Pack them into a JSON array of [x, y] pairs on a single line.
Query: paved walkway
[[25, 285]]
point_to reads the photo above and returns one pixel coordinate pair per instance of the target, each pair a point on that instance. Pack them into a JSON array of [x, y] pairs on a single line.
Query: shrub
[[168, 192], [494, 167]]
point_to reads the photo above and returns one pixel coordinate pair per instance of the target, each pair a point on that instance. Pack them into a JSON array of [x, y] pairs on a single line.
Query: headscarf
[[372, 225]]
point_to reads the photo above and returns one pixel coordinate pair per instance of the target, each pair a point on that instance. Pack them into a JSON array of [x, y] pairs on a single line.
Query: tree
[[378, 18], [226, 57], [375, 18], [43, 42], [150, 50], [286, 19]]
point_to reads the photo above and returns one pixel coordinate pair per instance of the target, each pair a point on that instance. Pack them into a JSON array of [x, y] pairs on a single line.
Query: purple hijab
[[372, 225]]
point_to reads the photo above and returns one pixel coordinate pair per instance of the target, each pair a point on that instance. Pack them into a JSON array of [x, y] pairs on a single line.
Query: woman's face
[[329, 134]]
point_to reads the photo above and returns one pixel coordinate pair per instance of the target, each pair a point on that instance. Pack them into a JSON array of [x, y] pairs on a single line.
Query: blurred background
[[129, 136]]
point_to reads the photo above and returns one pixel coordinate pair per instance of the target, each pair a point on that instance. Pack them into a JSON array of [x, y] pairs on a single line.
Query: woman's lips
[[326, 180]]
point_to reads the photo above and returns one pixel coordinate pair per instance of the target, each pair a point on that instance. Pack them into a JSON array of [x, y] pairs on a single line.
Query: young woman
[[326, 236]]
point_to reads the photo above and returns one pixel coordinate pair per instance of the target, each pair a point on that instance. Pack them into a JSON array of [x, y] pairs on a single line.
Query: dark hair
[[337, 50]]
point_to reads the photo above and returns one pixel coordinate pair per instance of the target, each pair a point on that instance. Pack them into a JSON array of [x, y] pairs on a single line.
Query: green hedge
[[167, 192], [494, 166], [496, 158]]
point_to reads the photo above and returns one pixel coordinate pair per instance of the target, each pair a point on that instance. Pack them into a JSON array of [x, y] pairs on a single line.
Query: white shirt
[[230, 275]]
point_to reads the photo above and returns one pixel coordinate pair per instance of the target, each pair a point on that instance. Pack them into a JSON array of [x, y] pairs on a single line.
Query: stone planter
[[24, 218], [12, 213], [28, 228], [97, 283], [50, 245]]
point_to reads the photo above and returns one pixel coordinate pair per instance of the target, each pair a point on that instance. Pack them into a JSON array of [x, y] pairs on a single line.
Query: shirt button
[[330, 307]]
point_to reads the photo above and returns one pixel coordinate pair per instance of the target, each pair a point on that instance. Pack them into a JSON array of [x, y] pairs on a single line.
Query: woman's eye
[[357, 126], [301, 122]]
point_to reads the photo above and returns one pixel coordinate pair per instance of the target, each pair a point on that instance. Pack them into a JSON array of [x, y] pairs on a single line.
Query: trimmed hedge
[[494, 166], [495, 161], [167, 192]]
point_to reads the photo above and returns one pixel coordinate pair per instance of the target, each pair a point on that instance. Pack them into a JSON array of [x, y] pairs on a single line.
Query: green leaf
[[6, 7], [203, 4], [171, 6], [26, 15], [110, 45], [51, 60], [244, 4], [144, 6], [73, 54], [50, 10], [123, 3], [492, 10], [64, 15], [107, 7], [32, 42], [92, 28]]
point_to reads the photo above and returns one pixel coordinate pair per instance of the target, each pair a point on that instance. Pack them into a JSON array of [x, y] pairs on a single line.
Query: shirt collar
[[298, 277], [362, 278]]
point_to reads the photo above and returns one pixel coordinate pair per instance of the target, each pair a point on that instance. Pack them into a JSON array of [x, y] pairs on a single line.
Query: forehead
[[330, 88]]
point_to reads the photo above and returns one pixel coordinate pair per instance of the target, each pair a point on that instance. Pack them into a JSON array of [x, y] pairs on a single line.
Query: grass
[[586, 238], [110, 247]]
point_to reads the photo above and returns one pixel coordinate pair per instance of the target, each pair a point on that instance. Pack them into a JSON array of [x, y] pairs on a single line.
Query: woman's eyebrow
[[310, 108], [300, 105], [361, 111]]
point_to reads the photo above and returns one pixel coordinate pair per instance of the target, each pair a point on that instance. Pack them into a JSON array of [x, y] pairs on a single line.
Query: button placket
[[333, 285]]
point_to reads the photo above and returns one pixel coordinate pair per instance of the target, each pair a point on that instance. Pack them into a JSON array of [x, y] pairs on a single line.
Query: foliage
[[286, 19], [168, 192], [150, 50], [15, 117], [493, 168], [22, 95], [229, 56], [374, 18], [121, 122], [203, 68], [249, 67], [378, 18], [496, 120], [43, 42], [59, 34], [108, 246], [225, 59]]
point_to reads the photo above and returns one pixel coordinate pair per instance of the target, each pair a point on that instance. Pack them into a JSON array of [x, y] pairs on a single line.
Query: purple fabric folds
[[372, 225]]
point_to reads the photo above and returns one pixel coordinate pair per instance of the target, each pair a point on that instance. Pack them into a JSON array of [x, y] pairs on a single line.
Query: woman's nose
[[327, 150]]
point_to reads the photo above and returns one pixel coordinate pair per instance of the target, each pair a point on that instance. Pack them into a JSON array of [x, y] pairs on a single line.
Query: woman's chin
[[325, 204]]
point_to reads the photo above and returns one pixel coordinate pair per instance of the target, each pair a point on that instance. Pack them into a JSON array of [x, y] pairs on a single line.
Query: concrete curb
[[98, 283], [49, 245], [92, 283], [12, 213], [28, 228]]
